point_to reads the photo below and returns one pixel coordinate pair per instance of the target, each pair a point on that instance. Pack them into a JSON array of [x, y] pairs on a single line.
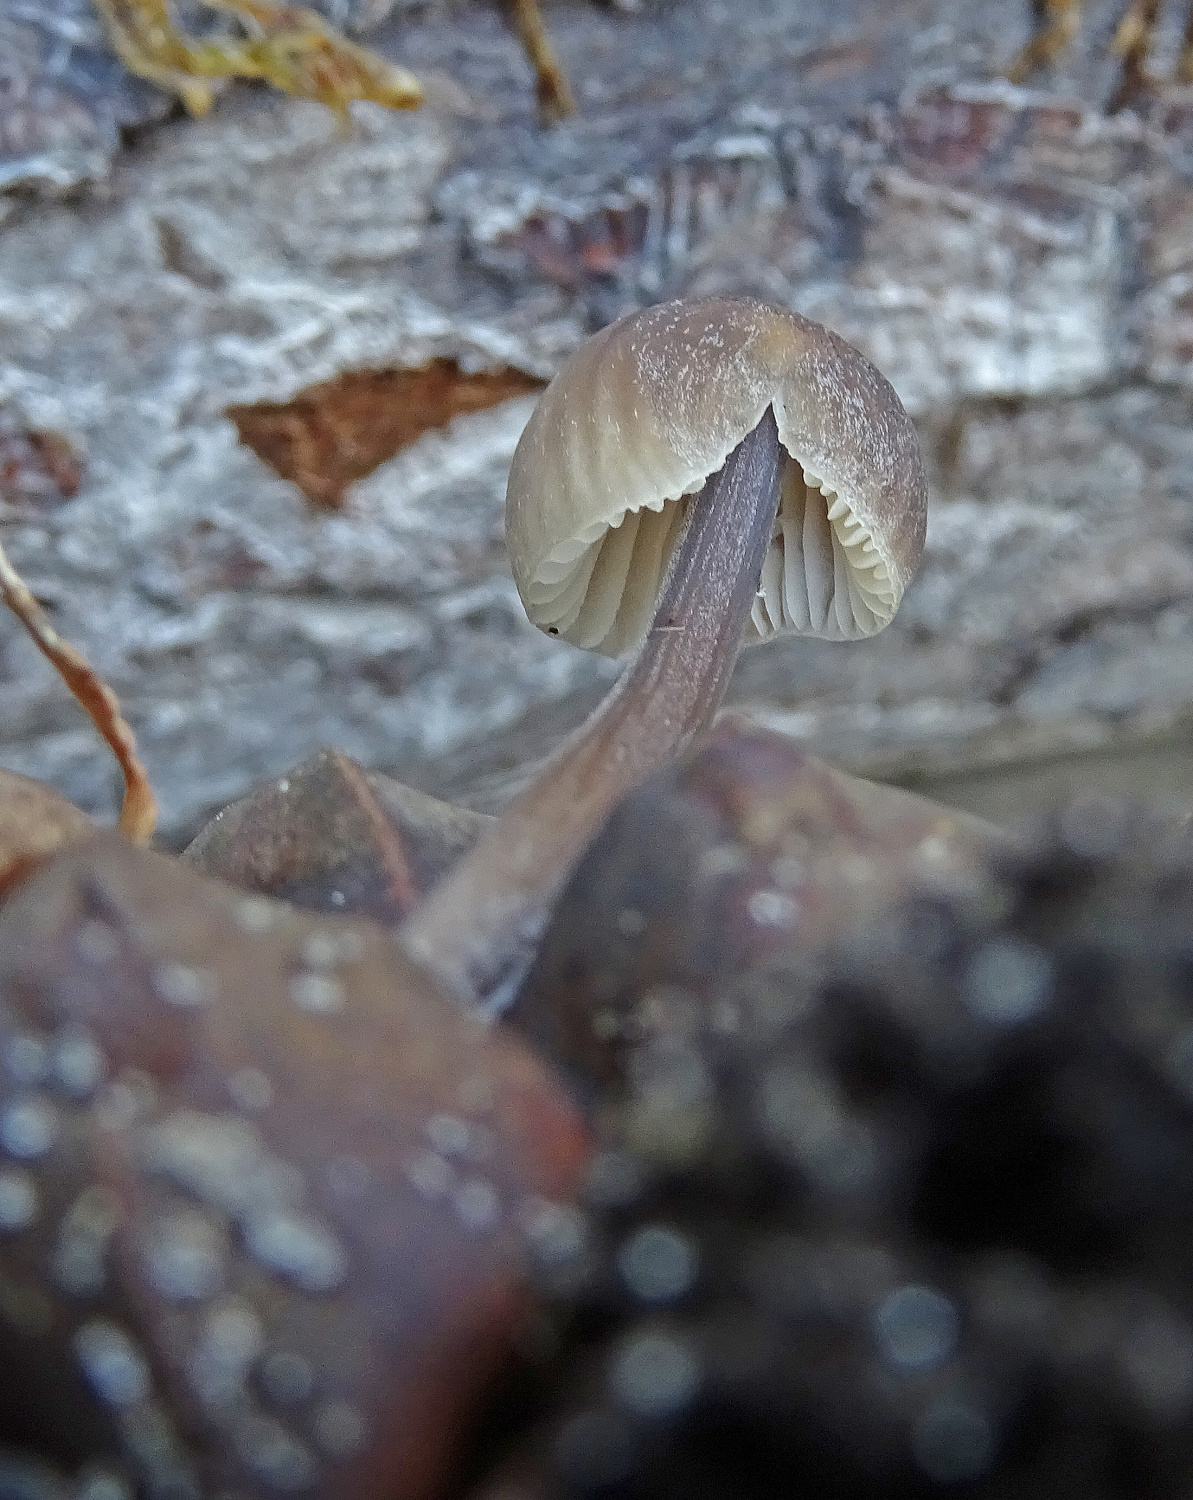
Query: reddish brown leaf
[[749, 847], [263, 1191], [34, 821], [337, 432], [38, 470], [330, 836]]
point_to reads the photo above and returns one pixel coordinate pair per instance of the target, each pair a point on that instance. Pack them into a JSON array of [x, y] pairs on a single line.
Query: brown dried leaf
[[38, 470], [330, 836], [263, 1189], [34, 821], [748, 848], [334, 433]]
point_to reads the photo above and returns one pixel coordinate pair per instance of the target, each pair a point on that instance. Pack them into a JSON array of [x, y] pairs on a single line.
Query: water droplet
[[721, 860], [102, 1485], [255, 914], [287, 1377], [124, 1102], [558, 1232], [185, 1255], [933, 850], [655, 1374], [26, 1058], [805, 1120], [724, 1017], [230, 1338], [614, 1180], [222, 1160], [275, 1454], [77, 1062], [112, 1363], [605, 1024], [1007, 981], [18, 1201], [1157, 1356], [476, 1203], [96, 943], [81, 1248], [772, 909], [317, 993], [250, 1089], [429, 1174], [476, 1094], [28, 1128], [448, 1134], [595, 1450], [657, 1264], [298, 1247], [953, 1441], [787, 872], [917, 1328], [320, 950], [178, 984], [339, 1428]]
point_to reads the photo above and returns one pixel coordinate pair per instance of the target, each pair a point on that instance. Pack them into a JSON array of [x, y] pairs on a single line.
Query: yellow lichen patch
[[292, 48]]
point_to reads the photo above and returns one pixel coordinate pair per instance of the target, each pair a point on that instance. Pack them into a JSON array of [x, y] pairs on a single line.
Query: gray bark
[[1018, 262]]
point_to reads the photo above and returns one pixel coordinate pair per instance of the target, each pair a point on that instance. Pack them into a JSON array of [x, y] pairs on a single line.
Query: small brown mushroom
[[648, 410], [697, 473]]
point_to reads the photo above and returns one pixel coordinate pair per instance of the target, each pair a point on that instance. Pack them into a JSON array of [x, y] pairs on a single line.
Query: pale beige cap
[[647, 409]]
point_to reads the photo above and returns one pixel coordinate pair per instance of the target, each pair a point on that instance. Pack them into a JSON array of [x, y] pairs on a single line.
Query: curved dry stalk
[[138, 813], [478, 925], [551, 87]]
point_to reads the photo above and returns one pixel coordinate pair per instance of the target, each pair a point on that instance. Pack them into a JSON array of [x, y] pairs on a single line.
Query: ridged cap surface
[[645, 411]]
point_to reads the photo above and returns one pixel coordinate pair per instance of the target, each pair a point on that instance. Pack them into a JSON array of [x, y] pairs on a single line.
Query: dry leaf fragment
[[34, 821], [138, 814], [749, 847], [337, 431], [262, 1190], [331, 836]]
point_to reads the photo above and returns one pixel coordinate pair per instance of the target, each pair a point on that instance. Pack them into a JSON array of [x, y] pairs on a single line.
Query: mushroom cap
[[646, 410]]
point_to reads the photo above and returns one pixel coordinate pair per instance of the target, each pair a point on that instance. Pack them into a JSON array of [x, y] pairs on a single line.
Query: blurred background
[[261, 378]]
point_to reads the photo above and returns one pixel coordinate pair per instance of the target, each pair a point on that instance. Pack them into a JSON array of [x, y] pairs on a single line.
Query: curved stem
[[479, 923]]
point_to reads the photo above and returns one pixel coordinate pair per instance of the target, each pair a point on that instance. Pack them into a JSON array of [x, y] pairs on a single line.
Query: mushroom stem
[[476, 928]]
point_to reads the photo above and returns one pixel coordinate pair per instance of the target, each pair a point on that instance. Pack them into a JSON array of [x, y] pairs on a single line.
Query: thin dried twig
[[550, 81], [138, 815]]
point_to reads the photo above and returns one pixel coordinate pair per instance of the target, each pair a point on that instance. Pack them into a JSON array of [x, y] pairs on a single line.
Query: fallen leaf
[[263, 1192], [34, 821], [748, 847], [331, 836]]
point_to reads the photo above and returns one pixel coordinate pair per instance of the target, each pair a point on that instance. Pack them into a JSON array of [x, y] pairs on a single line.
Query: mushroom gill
[[824, 573]]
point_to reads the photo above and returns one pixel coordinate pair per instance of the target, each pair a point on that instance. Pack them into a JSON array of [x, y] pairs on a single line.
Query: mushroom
[[697, 474]]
